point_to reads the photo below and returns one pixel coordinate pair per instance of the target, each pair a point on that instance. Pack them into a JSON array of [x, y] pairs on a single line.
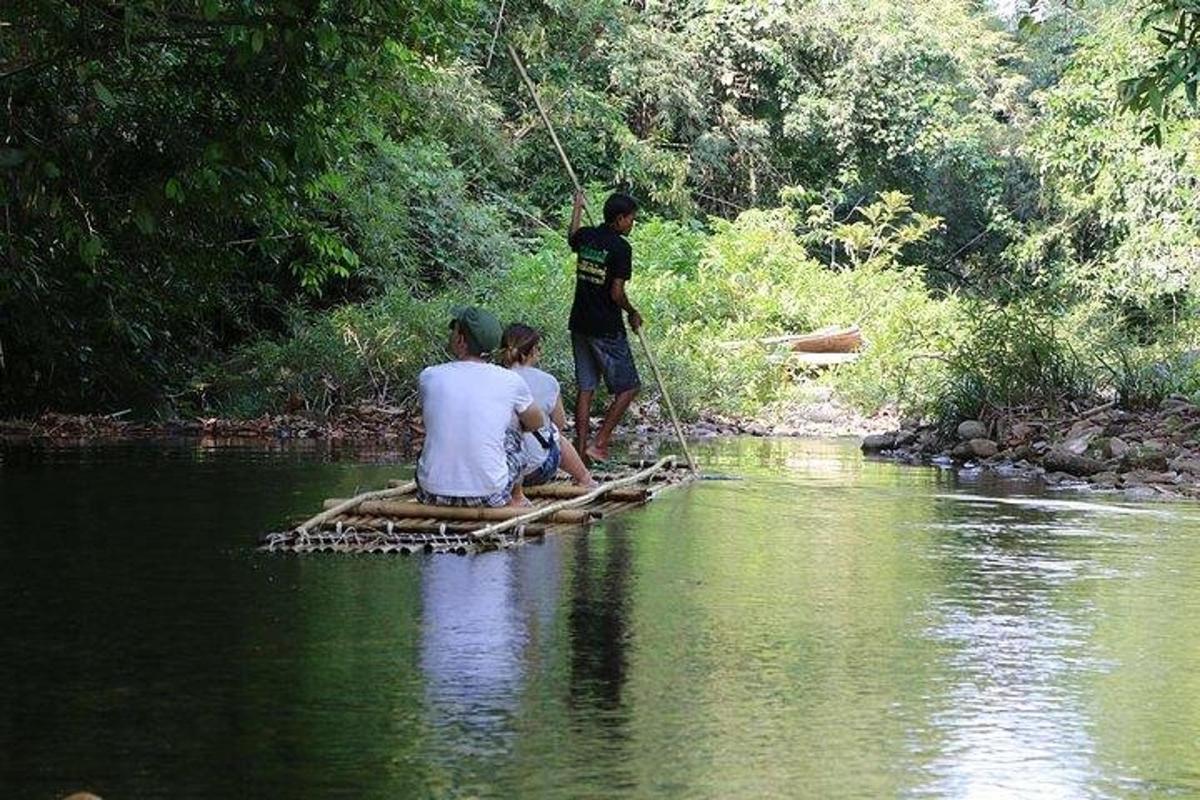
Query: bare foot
[[597, 453]]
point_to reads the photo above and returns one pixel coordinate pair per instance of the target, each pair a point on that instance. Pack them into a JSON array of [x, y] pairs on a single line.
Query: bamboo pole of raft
[[401, 511], [662, 387], [575, 502], [346, 505]]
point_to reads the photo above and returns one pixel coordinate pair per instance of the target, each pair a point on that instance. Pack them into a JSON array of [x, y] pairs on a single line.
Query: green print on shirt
[[590, 267], [593, 254]]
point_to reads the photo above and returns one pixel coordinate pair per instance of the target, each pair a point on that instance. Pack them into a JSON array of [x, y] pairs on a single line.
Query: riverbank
[[644, 427], [1142, 454]]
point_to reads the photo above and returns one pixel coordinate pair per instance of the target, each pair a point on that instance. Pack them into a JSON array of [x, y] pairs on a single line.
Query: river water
[[823, 627]]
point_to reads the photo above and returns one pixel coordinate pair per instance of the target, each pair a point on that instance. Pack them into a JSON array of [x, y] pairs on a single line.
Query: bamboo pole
[[562, 154], [408, 510], [662, 387], [562, 491], [347, 505], [575, 502]]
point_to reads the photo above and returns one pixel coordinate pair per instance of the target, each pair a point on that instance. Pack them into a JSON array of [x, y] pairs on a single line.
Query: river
[[822, 627]]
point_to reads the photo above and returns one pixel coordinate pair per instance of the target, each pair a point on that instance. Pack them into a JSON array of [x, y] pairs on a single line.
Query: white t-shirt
[[467, 407], [545, 389]]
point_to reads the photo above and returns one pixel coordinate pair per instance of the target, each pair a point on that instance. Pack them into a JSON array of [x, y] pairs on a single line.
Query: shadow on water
[[825, 627]]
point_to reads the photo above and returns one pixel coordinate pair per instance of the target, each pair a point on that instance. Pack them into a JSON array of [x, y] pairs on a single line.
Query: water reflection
[[825, 627]]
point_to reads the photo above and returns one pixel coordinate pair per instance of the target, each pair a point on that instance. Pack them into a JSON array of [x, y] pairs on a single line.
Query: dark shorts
[[609, 356], [549, 468], [513, 454]]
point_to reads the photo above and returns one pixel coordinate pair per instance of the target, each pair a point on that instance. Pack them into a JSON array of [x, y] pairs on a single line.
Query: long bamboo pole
[[662, 387], [407, 510], [353, 502], [562, 154], [582, 500]]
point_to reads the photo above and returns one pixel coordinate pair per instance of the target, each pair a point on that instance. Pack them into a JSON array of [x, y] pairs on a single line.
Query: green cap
[[481, 325]]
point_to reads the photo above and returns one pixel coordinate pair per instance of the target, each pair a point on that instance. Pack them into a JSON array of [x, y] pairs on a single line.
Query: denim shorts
[[609, 356], [549, 468], [513, 455]]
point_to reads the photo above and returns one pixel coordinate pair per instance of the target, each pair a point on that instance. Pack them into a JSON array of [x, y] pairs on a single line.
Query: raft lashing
[[391, 521]]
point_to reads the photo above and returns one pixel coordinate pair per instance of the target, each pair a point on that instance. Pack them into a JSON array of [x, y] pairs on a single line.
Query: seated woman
[[520, 351]]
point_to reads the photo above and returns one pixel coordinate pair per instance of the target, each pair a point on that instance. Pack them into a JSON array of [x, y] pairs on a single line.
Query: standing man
[[603, 267], [474, 412]]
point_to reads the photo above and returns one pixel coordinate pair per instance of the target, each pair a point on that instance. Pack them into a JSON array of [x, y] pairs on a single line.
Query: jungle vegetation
[[238, 206]]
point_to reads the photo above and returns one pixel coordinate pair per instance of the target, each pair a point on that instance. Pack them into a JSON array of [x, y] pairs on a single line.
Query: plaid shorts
[[545, 472], [512, 454]]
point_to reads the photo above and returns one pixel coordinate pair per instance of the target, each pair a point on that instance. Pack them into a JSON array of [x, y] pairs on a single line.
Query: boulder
[[1083, 428], [982, 448], [1060, 460], [971, 429], [1020, 433], [1079, 444], [905, 437], [877, 442], [1115, 448], [1147, 457], [1191, 466], [1143, 477], [1105, 480]]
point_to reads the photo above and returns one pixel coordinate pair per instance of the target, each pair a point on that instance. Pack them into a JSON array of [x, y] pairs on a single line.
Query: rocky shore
[[1143, 454], [400, 428]]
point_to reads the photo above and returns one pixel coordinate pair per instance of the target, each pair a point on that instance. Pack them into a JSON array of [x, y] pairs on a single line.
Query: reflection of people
[[487, 623], [545, 450], [603, 266], [472, 451]]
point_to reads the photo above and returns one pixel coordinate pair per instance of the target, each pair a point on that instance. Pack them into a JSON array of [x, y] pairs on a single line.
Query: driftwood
[[410, 510], [832, 339]]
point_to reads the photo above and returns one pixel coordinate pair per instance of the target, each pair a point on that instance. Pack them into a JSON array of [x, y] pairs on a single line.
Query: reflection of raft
[[391, 521]]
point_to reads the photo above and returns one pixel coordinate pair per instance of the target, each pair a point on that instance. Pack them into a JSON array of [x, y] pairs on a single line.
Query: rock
[[878, 442], [1105, 480], [971, 429], [1115, 448], [1019, 433], [1040, 446], [1141, 477], [1024, 453], [905, 437], [1079, 444], [1060, 460], [1146, 456], [1083, 428], [1191, 466], [975, 448], [983, 448]]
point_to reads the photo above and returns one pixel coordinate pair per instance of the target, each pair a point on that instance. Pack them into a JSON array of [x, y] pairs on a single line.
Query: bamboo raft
[[391, 521]]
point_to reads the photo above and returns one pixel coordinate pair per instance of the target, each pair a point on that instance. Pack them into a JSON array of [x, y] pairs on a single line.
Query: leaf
[[257, 40], [11, 157], [90, 248], [51, 170], [211, 9], [173, 190], [144, 219], [102, 92]]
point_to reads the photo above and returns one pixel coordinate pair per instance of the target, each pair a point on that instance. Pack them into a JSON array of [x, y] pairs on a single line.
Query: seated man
[[473, 454]]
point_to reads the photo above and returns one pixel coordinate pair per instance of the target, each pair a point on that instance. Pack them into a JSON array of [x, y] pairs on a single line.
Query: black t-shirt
[[604, 256]]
